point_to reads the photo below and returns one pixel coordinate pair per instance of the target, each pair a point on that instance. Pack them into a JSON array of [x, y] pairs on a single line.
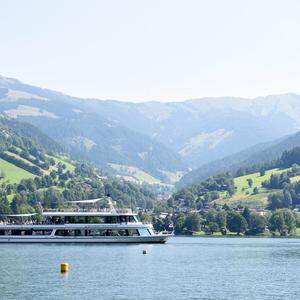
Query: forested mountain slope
[[35, 169], [161, 139], [84, 132], [256, 155]]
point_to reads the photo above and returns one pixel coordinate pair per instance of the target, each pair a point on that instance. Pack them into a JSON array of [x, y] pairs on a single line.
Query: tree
[[287, 199], [250, 182], [283, 221], [193, 222], [53, 174], [262, 172], [179, 224], [277, 223], [158, 224], [212, 227], [226, 207], [246, 214], [280, 200], [221, 219], [236, 222], [290, 157], [52, 161], [4, 206], [275, 200], [257, 224], [290, 220]]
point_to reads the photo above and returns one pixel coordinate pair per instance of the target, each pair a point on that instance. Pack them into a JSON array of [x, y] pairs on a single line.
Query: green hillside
[[36, 170], [271, 188], [256, 155], [139, 176], [12, 173], [244, 194], [241, 184]]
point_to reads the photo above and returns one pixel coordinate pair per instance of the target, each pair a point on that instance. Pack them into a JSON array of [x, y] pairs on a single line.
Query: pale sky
[[138, 50]]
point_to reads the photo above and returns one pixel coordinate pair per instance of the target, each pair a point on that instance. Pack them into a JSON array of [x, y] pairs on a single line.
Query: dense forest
[[231, 221]]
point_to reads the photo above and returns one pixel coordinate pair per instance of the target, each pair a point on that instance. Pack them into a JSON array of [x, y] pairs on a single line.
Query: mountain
[[26, 152], [21, 134], [35, 171], [161, 139], [85, 132], [255, 155]]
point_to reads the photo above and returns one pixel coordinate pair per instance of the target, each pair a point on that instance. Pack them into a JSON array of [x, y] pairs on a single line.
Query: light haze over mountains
[[164, 140], [153, 50]]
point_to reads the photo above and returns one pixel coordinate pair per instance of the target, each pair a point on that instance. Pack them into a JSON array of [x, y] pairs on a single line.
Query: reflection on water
[[184, 268]]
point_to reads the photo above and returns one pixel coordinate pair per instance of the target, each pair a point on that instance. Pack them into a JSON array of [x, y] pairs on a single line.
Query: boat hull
[[97, 239]]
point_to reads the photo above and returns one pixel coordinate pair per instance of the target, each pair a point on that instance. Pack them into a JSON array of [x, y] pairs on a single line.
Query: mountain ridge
[[156, 137], [255, 155]]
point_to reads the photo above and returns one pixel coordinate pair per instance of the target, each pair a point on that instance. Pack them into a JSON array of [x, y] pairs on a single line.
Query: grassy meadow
[[13, 173], [244, 194]]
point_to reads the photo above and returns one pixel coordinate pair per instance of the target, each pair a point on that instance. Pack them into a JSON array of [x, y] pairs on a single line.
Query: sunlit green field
[[244, 194], [13, 173], [135, 174], [242, 186]]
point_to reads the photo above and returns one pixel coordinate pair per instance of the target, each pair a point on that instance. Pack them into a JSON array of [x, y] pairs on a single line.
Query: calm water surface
[[184, 268]]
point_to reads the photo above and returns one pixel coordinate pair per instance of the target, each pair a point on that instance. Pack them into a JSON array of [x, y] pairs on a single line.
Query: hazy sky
[[153, 50]]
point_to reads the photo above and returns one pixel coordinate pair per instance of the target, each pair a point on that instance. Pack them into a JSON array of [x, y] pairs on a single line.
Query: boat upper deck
[[75, 215], [89, 213]]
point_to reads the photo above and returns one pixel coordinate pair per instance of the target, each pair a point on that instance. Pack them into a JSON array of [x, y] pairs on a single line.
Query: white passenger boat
[[81, 226]]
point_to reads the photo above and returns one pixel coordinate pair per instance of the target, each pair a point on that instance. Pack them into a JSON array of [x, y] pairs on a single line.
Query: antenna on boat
[[110, 203], [40, 207]]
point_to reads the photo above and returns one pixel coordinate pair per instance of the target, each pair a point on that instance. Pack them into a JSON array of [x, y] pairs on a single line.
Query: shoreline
[[240, 236]]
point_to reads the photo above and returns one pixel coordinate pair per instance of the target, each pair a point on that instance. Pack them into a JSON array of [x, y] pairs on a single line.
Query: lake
[[184, 268]]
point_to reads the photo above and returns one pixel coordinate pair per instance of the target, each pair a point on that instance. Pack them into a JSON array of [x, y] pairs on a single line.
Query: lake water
[[184, 268]]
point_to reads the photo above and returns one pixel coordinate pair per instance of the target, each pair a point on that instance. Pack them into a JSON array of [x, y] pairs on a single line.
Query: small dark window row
[[97, 232], [25, 232], [90, 219]]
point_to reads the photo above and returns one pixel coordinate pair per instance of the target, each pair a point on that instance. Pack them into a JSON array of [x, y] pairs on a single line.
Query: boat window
[[16, 232], [112, 220], [122, 232], [112, 232], [95, 220], [41, 232], [69, 220], [151, 231], [80, 220], [60, 232], [96, 232], [25, 232], [55, 220], [144, 231], [131, 219], [123, 219], [65, 232], [79, 232], [132, 232]]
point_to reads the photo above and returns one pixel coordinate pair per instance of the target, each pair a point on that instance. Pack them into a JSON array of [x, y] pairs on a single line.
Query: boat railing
[[104, 210]]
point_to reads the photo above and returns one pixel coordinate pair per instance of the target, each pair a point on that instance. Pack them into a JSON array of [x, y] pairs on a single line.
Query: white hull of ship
[[96, 239]]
